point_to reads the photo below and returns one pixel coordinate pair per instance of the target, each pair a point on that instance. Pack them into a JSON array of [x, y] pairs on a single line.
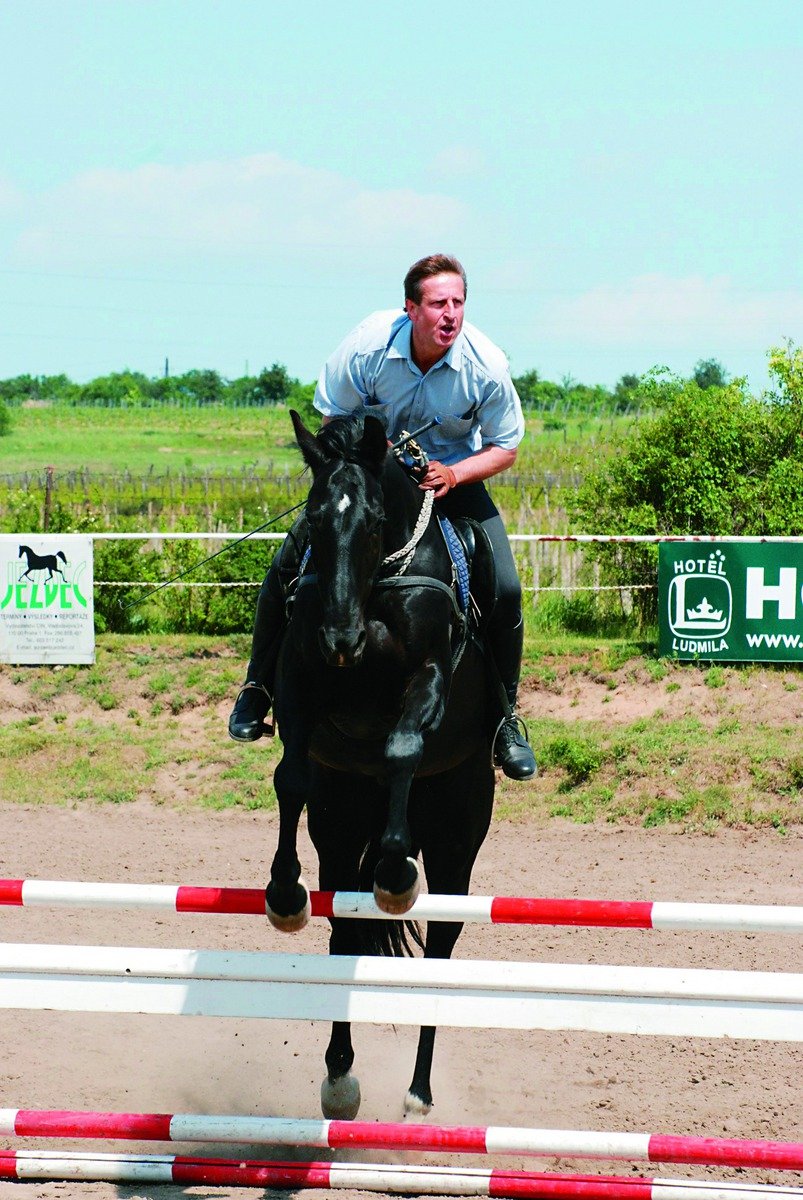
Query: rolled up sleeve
[[341, 386], [500, 416]]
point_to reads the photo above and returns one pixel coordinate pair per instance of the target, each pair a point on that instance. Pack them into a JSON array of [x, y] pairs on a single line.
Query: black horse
[[41, 562], [385, 740]]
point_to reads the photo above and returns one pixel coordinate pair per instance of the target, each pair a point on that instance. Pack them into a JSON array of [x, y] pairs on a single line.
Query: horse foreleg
[[287, 900], [396, 883]]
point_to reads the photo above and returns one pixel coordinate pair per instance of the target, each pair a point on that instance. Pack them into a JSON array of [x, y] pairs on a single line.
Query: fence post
[[48, 498]]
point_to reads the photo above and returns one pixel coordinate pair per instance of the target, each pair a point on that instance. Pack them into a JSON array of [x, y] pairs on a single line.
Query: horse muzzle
[[342, 647]]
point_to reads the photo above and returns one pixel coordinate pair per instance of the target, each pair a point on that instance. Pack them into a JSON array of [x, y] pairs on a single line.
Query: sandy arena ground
[[561, 1080]]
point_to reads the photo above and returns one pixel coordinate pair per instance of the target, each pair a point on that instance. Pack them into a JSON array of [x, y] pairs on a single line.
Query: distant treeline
[[132, 389], [274, 385]]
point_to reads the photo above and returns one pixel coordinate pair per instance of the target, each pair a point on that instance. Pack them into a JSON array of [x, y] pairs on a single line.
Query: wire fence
[[565, 568]]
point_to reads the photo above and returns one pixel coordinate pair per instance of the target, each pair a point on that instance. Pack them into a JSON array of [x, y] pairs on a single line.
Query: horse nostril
[[342, 647]]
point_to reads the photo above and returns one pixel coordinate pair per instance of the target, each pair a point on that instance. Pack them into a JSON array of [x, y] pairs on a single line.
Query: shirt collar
[[402, 347]]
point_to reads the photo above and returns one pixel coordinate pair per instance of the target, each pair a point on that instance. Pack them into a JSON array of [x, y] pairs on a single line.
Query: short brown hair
[[425, 268]]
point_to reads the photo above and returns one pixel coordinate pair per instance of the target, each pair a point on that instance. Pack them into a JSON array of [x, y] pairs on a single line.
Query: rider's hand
[[438, 479]]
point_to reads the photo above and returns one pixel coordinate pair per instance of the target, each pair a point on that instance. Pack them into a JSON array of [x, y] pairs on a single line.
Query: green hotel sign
[[731, 601]]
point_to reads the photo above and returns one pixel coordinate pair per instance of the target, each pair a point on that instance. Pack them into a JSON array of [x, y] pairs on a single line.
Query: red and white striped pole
[[489, 910], [372, 1177], [333, 1135]]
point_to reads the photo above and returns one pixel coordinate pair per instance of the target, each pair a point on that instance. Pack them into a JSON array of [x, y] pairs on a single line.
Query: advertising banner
[[46, 609], [731, 602]]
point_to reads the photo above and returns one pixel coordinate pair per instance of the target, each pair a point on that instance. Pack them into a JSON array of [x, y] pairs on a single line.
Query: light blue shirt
[[470, 388]]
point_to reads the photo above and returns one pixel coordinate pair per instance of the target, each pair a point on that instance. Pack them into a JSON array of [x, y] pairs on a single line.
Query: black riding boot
[[511, 748], [247, 722]]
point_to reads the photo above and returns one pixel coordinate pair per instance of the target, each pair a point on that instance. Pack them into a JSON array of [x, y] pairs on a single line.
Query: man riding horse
[[408, 368]]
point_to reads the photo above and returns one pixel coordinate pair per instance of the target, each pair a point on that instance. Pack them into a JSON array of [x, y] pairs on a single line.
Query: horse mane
[[358, 438]]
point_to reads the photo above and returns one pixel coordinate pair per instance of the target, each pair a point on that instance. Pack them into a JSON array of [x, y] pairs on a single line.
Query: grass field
[[147, 440], [621, 737], [226, 468], [218, 439]]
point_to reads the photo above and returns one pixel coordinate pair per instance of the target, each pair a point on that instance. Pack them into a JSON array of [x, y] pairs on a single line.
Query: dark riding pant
[[270, 617], [504, 632]]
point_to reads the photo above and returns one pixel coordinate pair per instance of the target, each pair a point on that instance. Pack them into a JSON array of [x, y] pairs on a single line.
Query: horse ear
[[374, 443], [307, 443]]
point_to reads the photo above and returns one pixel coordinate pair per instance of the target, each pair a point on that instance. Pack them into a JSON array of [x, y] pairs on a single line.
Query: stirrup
[[519, 722], [268, 721]]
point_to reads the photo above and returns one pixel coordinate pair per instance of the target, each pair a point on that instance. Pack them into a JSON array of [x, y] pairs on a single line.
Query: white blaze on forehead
[[343, 503]]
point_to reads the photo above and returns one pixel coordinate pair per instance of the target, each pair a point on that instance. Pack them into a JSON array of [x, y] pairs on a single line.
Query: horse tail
[[60, 554], [394, 939]]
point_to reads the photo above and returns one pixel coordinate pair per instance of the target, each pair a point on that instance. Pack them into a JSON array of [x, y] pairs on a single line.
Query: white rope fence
[[157, 537]]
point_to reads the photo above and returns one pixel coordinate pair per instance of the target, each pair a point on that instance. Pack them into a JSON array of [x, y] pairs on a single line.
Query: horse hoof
[[414, 1106], [397, 903], [293, 921], [340, 1098]]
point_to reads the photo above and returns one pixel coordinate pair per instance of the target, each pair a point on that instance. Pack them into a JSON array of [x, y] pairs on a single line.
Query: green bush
[[177, 608], [580, 758], [712, 461], [584, 612]]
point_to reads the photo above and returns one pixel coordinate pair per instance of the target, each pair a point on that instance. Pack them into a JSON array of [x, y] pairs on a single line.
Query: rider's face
[[438, 317]]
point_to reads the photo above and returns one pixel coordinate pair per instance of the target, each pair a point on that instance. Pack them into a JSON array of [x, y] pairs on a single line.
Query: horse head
[[345, 515]]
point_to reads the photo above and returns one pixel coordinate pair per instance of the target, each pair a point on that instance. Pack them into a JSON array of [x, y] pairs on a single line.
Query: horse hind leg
[[451, 816], [441, 939], [342, 816], [340, 1090]]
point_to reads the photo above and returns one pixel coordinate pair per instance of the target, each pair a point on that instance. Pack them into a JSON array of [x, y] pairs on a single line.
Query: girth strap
[[426, 581], [418, 581]]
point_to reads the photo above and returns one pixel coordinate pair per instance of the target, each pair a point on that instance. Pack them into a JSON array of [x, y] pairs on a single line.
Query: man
[[407, 368]]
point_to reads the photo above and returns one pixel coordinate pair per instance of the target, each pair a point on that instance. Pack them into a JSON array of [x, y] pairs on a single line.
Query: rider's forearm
[[486, 462]]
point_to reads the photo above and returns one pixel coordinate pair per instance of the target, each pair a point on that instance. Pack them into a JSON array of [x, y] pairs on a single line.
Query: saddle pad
[[459, 561]]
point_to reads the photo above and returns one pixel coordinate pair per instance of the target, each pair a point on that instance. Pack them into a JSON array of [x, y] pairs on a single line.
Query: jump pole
[[461, 993], [371, 1177], [373, 1135], [489, 910]]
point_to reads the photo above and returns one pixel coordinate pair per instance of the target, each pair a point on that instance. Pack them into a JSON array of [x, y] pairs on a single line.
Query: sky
[[231, 184]]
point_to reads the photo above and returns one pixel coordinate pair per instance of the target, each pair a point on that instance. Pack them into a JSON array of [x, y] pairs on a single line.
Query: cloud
[[256, 206], [670, 314], [11, 198], [457, 161]]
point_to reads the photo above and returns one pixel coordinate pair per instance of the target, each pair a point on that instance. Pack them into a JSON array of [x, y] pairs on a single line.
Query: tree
[[624, 392], [709, 373], [5, 418], [527, 387], [536, 393], [121, 389], [712, 461], [273, 385], [300, 399], [204, 387], [786, 367]]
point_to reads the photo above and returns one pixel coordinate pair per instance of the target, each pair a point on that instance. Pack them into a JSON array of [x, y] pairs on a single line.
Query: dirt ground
[[560, 1080]]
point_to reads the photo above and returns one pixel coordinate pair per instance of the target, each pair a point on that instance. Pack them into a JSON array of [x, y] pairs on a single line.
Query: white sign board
[[46, 608]]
